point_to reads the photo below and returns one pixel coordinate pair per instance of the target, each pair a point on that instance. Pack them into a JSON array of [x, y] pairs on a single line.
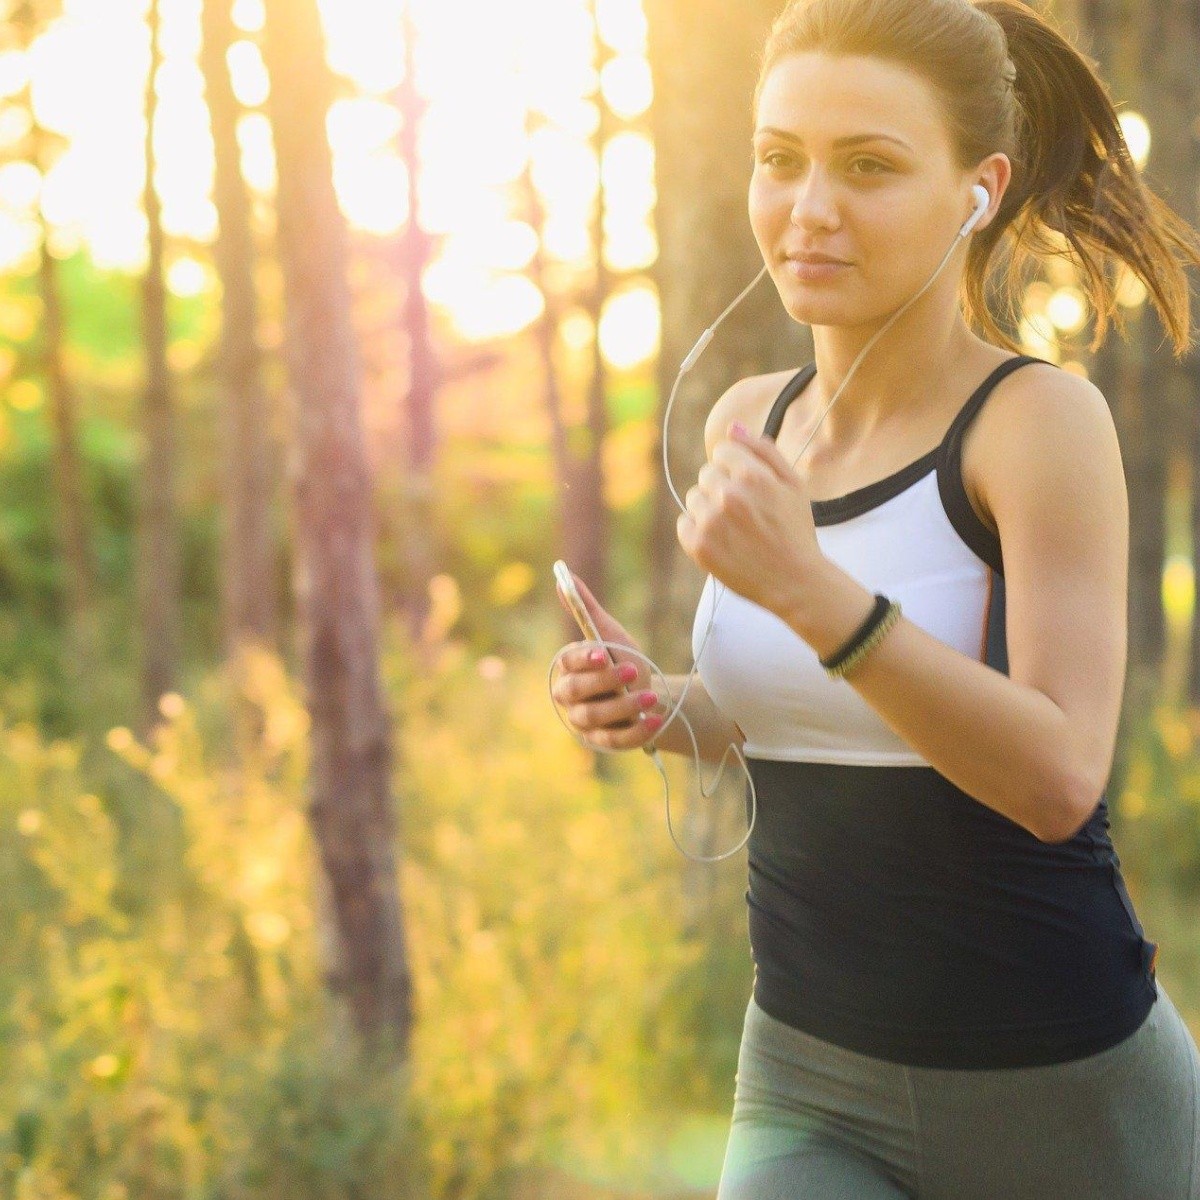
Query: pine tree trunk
[[158, 544], [351, 809], [248, 553], [545, 331], [424, 372], [71, 501]]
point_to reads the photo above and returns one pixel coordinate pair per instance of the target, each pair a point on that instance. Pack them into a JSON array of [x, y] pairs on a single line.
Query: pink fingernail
[[653, 720], [647, 699], [598, 658], [627, 672], [738, 427]]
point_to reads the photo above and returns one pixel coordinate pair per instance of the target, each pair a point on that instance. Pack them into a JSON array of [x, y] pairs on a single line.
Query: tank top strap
[[979, 396], [791, 390], [953, 491]]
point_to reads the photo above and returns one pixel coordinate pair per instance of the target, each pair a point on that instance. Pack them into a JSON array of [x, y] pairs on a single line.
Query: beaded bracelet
[[883, 616]]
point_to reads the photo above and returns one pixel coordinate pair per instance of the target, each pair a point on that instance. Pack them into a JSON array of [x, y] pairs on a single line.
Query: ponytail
[[1076, 190]]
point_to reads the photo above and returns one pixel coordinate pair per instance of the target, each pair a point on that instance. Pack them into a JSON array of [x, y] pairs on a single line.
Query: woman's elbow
[[1064, 808]]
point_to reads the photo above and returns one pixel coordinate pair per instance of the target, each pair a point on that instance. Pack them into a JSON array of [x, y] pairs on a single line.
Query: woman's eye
[[867, 166], [776, 160]]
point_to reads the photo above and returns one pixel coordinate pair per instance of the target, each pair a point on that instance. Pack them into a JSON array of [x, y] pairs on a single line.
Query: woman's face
[[856, 193]]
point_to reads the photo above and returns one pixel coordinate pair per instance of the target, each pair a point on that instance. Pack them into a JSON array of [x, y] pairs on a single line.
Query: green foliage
[[1157, 832], [180, 1049], [166, 1030], [545, 907]]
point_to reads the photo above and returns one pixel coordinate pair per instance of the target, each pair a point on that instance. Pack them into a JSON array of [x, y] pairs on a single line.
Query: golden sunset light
[[86, 75]]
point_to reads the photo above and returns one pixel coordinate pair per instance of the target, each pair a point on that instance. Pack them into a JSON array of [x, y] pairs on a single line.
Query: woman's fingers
[[586, 658], [616, 712], [575, 687]]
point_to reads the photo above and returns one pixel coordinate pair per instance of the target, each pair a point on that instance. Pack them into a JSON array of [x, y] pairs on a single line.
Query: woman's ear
[[994, 174]]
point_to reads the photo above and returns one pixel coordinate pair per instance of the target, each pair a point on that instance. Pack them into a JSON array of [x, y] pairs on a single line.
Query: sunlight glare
[[14, 72], [1137, 136], [629, 245], [1037, 336], [627, 86], [622, 25], [569, 72], [258, 152], [577, 329], [99, 62], [505, 246], [249, 15], [179, 32], [1131, 291], [361, 126], [15, 124], [628, 170], [187, 277], [492, 306], [118, 240], [446, 206], [565, 239], [364, 42], [497, 159], [19, 241], [630, 327], [564, 172], [248, 74], [190, 215], [20, 186], [1067, 310], [372, 192]]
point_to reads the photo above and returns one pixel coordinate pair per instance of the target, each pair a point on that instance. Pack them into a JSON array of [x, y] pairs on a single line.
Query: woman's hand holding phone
[[607, 696]]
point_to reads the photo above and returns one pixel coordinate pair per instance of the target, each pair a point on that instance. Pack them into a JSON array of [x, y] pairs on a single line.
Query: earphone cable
[[718, 590]]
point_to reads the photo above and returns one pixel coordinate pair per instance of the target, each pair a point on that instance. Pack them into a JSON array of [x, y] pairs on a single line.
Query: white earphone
[[982, 200]]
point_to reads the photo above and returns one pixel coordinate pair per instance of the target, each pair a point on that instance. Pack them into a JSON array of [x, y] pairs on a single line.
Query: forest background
[[324, 329]]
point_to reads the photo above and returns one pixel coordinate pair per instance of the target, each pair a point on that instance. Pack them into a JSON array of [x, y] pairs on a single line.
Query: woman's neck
[[908, 363]]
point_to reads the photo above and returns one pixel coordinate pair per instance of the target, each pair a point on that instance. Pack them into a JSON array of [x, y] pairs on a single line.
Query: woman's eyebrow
[[838, 143]]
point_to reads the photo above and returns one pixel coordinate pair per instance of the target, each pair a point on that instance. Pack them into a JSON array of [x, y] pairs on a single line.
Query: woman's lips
[[814, 268]]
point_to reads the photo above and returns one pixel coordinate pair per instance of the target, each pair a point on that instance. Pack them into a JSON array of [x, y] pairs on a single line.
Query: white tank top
[[912, 536]]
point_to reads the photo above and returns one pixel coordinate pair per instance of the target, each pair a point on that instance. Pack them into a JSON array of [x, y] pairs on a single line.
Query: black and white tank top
[[889, 911]]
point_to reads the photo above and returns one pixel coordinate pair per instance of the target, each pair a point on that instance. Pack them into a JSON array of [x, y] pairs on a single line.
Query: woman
[[922, 646]]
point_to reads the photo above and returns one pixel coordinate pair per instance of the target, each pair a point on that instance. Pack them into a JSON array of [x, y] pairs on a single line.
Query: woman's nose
[[814, 206]]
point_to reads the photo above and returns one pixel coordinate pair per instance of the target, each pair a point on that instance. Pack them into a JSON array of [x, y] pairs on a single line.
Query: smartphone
[[583, 619], [562, 575]]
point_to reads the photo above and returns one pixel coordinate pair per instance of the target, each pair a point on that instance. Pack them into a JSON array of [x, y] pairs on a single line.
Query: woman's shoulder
[[748, 400], [1041, 421]]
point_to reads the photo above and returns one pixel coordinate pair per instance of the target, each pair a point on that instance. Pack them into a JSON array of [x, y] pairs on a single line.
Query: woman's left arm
[[1036, 744]]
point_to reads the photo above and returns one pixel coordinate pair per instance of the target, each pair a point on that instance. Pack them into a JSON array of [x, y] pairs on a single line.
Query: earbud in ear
[[982, 200]]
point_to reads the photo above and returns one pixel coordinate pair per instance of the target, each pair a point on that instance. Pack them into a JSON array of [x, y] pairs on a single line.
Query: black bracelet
[[864, 631]]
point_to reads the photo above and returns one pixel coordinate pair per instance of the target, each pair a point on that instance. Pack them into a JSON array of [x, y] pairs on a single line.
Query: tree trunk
[[249, 560], [545, 331], [1172, 104], [158, 544], [75, 534], [702, 124], [586, 518], [351, 809], [1130, 378], [424, 372]]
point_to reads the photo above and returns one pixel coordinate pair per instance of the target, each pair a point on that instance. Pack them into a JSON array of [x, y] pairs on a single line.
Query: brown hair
[[1012, 83]]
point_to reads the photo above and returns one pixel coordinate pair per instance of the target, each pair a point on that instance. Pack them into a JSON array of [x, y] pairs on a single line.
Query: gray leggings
[[812, 1121]]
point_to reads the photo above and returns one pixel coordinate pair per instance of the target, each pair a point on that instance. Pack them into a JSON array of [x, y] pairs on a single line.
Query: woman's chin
[[816, 310], [822, 306]]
